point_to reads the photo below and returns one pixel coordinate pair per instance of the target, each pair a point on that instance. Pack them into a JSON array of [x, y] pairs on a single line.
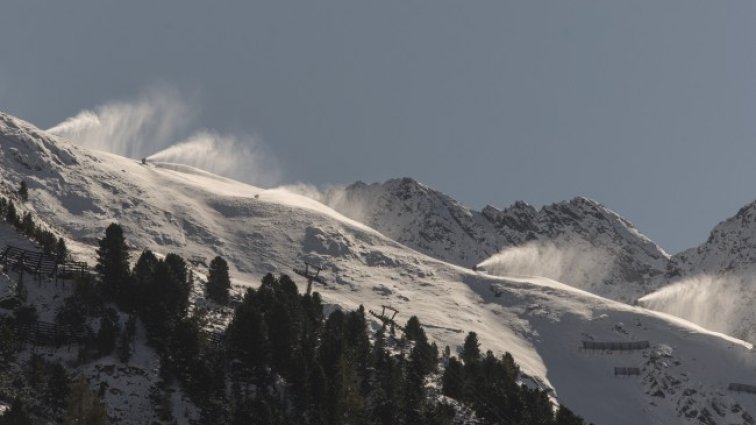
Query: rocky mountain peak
[[434, 223]]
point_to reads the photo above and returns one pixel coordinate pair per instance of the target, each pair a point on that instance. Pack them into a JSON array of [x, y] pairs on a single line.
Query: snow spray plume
[[133, 129], [335, 197], [581, 265], [718, 303], [154, 122], [224, 155]]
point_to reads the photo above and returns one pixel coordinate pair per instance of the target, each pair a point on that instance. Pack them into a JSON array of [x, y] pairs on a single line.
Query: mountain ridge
[[540, 321], [433, 223]]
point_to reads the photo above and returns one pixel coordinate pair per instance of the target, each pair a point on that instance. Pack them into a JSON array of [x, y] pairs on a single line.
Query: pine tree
[[83, 407], [427, 354], [453, 380], [106, 336], [126, 340], [184, 348], [283, 337], [471, 349], [46, 239], [414, 393], [412, 329], [27, 225], [248, 335], [178, 267], [11, 216], [218, 281], [143, 277], [23, 191], [113, 265], [61, 250], [180, 288], [164, 302], [388, 385]]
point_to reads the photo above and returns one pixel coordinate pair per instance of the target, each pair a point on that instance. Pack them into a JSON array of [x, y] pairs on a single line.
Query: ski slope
[[579, 242], [175, 208]]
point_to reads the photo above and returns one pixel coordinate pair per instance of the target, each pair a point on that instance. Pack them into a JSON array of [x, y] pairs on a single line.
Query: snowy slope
[[125, 388], [713, 284], [542, 322], [624, 261], [731, 246]]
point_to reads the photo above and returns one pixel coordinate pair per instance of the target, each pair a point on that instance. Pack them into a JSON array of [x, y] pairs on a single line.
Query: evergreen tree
[[143, 278], [358, 346], [113, 265], [23, 191], [27, 225], [61, 250], [184, 348], [11, 216], [282, 336], [88, 295], [83, 407], [47, 240], [471, 348], [453, 380], [165, 301], [180, 287], [414, 393], [425, 355], [218, 281], [412, 329], [178, 267], [248, 336], [387, 393], [126, 340], [106, 336]]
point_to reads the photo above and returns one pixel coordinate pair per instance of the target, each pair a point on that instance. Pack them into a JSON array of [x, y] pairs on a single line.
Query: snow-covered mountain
[[684, 373], [713, 284], [731, 247], [623, 261]]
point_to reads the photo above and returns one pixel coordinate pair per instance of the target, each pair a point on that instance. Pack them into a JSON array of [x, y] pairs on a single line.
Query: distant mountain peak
[[434, 223]]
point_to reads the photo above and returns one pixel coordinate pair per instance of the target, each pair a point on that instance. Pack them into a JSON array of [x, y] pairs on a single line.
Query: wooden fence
[[616, 346], [626, 371]]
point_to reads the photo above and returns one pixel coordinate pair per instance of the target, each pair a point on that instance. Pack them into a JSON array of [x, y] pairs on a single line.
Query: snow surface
[[714, 284], [586, 244], [172, 208]]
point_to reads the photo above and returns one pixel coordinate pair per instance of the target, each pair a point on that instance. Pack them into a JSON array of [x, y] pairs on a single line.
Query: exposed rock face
[[731, 247], [437, 225], [714, 283]]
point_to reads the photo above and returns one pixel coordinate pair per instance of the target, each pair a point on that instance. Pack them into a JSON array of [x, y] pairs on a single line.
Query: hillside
[[712, 284], [586, 244], [684, 372]]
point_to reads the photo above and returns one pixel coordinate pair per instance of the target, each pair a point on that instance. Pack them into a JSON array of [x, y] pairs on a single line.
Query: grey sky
[[645, 106]]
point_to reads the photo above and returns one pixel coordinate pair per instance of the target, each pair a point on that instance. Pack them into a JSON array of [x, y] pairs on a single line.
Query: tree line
[[25, 224], [282, 359]]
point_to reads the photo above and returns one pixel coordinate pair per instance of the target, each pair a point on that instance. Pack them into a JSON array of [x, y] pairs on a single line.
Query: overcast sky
[[646, 106]]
